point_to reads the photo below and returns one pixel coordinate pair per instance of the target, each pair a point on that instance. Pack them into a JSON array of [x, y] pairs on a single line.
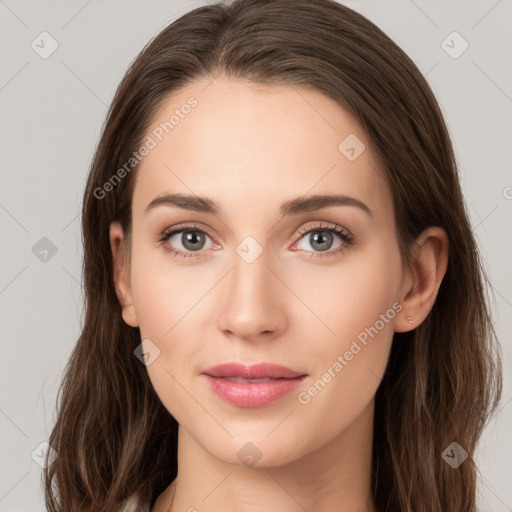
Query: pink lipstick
[[252, 386]]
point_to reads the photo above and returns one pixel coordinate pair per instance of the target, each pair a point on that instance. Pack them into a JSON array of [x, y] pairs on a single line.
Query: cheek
[[360, 306], [168, 298], [353, 295], [164, 301], [162, 293]]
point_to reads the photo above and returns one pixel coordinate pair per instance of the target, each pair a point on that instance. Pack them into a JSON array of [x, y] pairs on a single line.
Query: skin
[[249, 148]]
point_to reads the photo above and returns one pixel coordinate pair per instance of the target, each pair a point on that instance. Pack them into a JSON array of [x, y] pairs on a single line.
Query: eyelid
[[303, 231], [323, 225], [196, 226]]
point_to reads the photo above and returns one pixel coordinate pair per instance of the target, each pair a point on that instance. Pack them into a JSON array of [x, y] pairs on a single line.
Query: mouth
[[252, 386]]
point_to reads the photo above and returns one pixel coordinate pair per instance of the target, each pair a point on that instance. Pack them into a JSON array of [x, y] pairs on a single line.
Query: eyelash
[[346, 237]]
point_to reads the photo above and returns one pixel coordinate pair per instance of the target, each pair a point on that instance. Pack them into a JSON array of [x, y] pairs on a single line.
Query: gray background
[[52, 111]]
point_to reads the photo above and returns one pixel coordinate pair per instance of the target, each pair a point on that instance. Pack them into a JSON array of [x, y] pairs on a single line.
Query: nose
[[252, 305]]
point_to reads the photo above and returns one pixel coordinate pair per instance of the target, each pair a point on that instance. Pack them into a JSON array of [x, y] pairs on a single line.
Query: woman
[[285, 305]]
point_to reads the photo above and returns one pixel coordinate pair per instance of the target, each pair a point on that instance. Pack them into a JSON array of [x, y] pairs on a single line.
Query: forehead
[[249, 145]]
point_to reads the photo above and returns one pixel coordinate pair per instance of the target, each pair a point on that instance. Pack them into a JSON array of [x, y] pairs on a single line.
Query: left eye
[[322, 237]]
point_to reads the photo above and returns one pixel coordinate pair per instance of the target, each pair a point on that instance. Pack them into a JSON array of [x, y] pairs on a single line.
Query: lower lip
[[252, 394]]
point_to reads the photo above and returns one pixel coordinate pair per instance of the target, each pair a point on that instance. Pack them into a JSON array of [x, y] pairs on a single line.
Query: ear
[[422, 281], [121, 265]]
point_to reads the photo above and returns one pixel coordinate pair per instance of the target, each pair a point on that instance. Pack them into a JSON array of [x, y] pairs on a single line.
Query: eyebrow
[[296, 206]]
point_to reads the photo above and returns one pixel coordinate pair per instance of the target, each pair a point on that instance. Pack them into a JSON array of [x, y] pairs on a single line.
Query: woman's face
[[250, 288]]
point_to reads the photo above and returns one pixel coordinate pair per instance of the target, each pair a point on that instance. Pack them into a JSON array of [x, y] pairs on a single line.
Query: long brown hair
[[113, 436]]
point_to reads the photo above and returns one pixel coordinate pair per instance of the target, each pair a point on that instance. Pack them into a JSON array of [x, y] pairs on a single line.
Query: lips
[[257, 371], [252, 386]]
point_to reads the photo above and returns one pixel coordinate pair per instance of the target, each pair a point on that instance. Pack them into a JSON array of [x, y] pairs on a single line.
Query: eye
[[321, 239], [191, 238]]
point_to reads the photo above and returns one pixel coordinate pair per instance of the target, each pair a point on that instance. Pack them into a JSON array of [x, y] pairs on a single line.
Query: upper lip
[[256, 371]]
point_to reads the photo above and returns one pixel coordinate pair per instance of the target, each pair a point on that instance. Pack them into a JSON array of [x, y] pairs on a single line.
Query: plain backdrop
[[52, 110]]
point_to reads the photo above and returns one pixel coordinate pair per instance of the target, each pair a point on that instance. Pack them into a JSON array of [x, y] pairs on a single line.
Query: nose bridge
[[250, 280], [252, 301]]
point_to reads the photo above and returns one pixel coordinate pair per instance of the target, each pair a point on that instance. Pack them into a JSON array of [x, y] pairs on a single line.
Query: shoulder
[[133, 504]]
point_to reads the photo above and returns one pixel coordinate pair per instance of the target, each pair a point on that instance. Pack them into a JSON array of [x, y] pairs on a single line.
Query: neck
[[336, 476]]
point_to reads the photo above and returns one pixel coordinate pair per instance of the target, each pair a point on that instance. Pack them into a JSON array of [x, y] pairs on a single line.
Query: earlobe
[[420, 287], [121, 275], [129, 315]]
